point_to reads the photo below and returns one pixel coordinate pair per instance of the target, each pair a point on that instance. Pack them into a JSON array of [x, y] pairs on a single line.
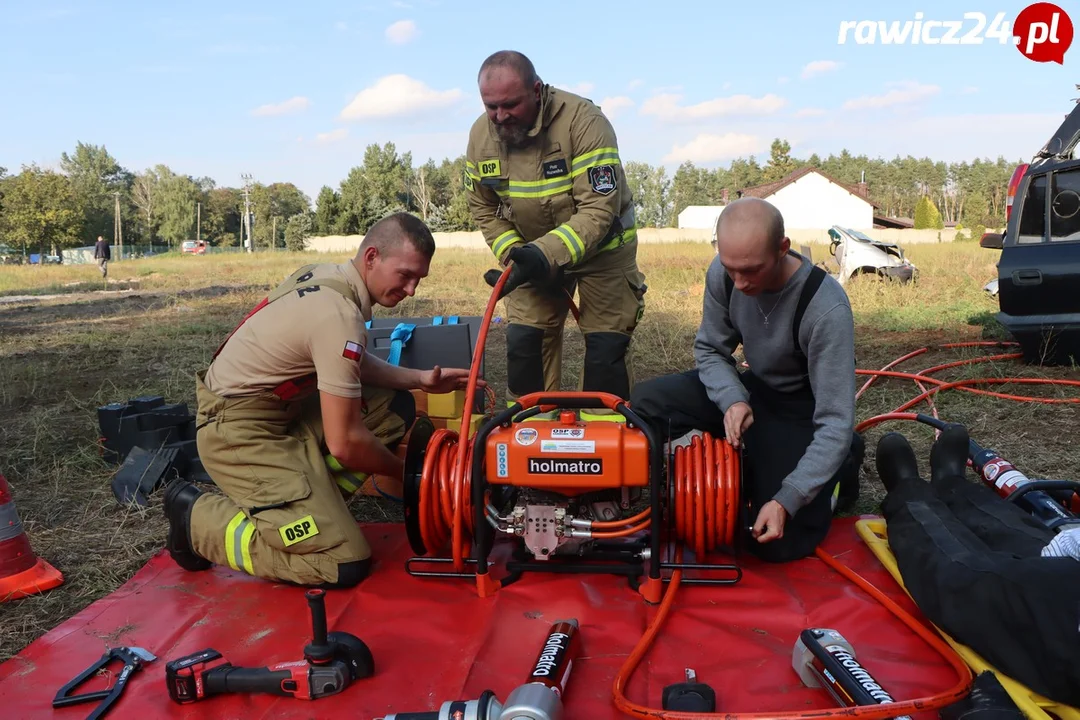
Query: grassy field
[[68, 346]]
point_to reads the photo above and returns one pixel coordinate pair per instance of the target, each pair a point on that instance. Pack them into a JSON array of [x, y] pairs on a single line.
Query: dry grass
[[62, 357]]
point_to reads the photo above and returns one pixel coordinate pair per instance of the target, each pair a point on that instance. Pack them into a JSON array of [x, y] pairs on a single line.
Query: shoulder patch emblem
[[468, 182], [353, 351], [602, 179]]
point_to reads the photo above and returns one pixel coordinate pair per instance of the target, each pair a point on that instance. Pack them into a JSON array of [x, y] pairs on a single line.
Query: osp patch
[[602, 179]]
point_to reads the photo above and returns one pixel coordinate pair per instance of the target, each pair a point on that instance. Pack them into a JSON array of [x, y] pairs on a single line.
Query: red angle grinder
[[538, 698], [332, 661]]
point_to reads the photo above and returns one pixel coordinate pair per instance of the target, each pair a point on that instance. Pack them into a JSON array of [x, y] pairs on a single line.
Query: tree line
[[48, 210]]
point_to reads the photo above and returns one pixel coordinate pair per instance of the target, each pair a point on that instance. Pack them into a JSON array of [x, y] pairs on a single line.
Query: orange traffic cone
[[21, 572]]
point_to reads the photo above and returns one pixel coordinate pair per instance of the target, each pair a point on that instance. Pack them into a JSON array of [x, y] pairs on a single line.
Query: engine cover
[[567, 455]]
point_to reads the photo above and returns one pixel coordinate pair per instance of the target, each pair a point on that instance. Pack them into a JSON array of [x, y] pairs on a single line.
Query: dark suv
[[1039, 268]]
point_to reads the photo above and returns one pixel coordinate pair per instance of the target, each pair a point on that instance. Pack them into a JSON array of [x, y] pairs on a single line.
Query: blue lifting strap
[[398, 338], [453, 320], [437, 320]]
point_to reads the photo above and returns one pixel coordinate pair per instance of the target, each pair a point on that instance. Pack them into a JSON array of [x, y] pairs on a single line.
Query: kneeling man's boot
[[180, 497]]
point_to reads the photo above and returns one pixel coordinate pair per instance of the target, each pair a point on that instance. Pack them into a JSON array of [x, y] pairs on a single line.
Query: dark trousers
[[773, 445], [972, 563]]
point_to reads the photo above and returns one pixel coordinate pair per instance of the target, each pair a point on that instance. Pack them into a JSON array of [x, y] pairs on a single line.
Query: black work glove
[[529, 265]]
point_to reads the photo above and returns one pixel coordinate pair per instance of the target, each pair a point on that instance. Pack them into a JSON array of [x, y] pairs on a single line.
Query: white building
[[701, 217], [810, 200]]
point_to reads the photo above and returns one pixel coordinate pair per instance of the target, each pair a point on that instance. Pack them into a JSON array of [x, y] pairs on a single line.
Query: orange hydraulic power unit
[[571, 496], [568, 455]]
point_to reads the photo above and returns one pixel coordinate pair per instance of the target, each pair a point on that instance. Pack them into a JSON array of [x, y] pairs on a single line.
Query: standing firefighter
[[546, 187], [291, 384]]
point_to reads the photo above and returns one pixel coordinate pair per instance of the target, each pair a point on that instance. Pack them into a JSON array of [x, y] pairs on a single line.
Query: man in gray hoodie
[[793, 410]]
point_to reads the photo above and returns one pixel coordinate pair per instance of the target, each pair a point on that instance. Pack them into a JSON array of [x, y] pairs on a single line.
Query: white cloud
[[290, 106], [666, 107], [817, 67], [903, 93], [401, 32], [612, 106], [332, 136], [809, 112], [710, 148], [635, 84], [398, 96], [582, 88]]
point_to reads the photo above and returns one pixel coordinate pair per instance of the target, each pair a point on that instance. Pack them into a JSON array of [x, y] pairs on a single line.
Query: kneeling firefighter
[[546, 188], [290, 385]]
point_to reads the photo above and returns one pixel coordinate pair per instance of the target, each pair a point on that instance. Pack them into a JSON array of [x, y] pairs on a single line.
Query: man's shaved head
[[751, 244], [513, 60], [390, 234], [761, 218]]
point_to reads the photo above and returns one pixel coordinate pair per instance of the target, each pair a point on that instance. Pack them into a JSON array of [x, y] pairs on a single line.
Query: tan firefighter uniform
[[259, 430], [565, 192]]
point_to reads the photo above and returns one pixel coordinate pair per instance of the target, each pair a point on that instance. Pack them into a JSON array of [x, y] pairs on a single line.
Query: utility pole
[[118, 229], [198, 222], [249, 244]]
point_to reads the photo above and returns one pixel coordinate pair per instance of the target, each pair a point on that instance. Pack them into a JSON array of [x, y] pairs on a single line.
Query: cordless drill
[[331, 663], [539, 698]]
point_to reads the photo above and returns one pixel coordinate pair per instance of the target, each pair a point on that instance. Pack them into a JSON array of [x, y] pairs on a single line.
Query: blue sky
[[293, 92]]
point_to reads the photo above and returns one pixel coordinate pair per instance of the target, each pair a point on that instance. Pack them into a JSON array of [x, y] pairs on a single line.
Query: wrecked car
[[858, 254]]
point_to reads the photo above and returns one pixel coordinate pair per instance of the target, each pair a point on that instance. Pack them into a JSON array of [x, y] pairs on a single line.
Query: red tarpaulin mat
[[435, 640]]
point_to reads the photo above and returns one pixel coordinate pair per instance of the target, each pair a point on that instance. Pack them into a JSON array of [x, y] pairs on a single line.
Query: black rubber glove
[[529, 265]]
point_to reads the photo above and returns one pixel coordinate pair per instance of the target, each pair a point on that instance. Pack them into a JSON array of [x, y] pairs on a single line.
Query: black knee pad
[[605, 364], [350, 574], [524, 359]]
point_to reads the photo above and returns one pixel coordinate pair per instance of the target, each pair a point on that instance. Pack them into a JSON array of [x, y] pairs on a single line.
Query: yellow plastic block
[[446, 405], [454, 423]]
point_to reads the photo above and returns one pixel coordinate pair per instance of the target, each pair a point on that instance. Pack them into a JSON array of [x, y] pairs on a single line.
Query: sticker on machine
[[568, 446], [575, 432], [526, 436], [502, 460]]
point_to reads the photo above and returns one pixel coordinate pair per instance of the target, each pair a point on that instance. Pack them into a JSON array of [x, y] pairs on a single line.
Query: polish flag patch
[[353, 351]]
